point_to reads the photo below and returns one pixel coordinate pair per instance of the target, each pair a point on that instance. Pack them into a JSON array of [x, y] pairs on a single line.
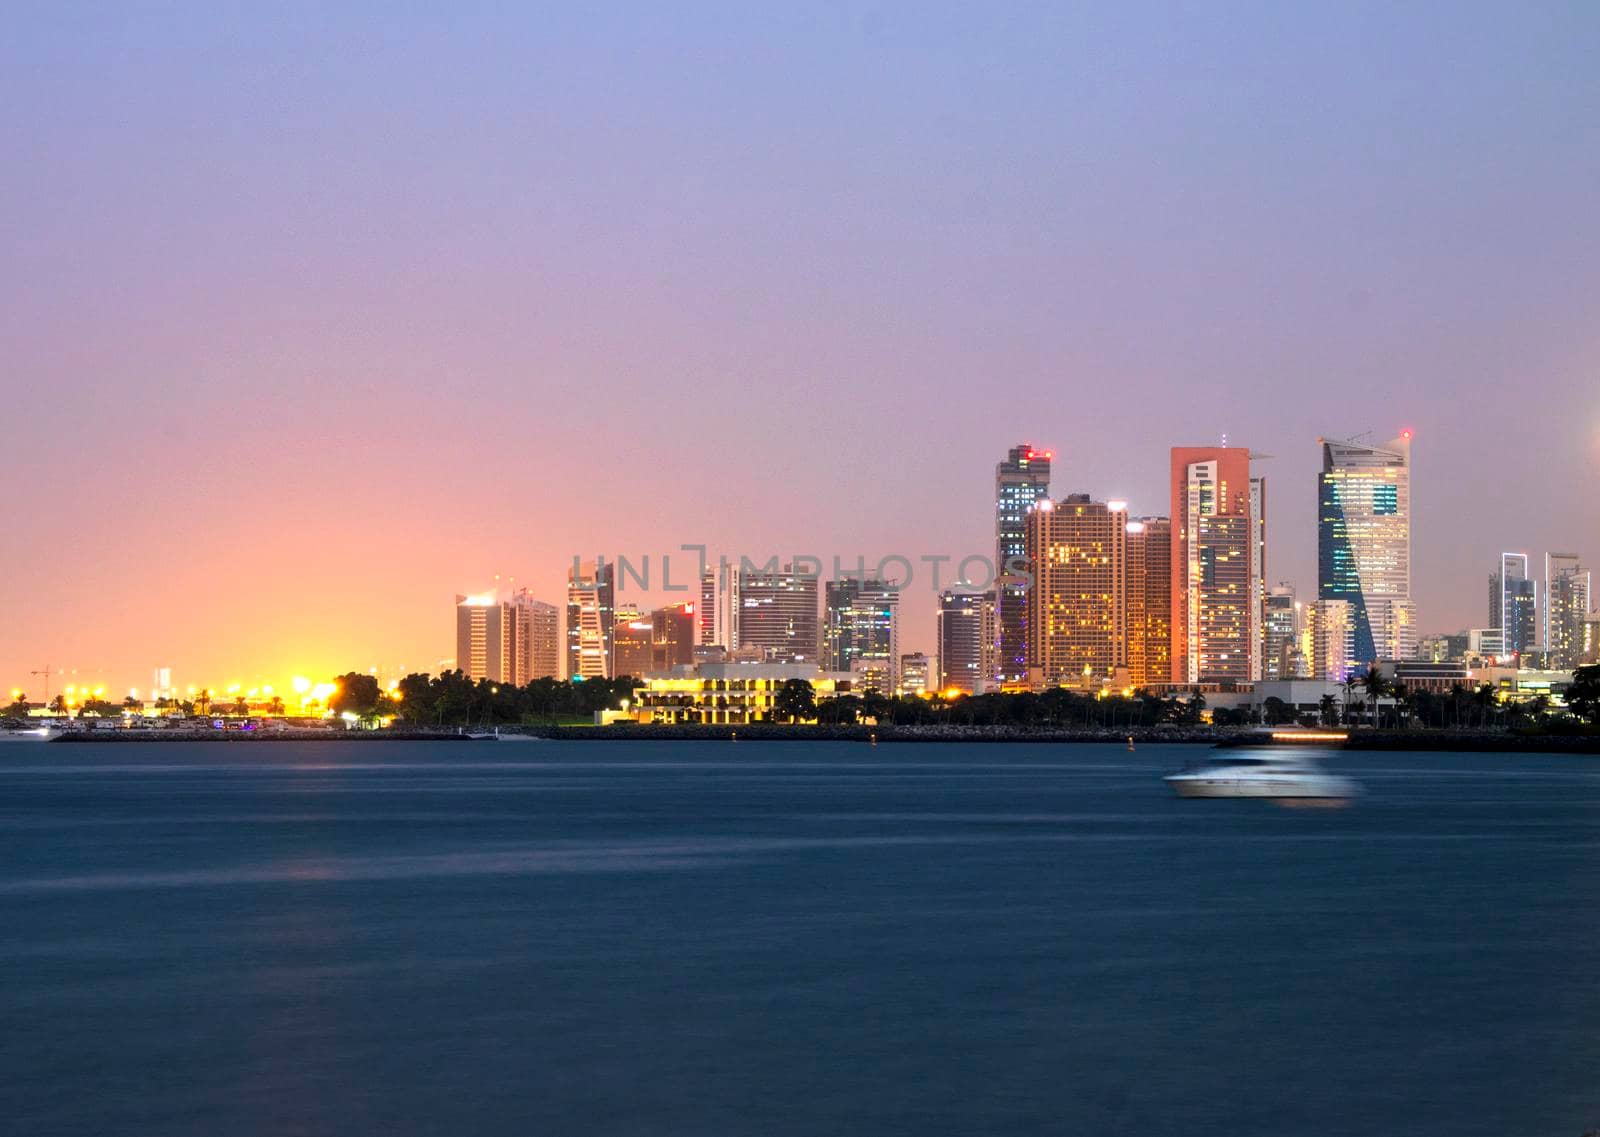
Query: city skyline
[[615, 598], [258, 306]]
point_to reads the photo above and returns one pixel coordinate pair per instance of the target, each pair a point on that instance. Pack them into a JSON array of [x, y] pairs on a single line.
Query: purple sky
[[316, 315]]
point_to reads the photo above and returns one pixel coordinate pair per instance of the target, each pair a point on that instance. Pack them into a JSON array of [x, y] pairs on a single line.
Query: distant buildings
[[509, 640], [1219, 550], [1149, 593], [966, 630], [1021, 480], [1078, 552], [774, 614], [590, 600], [1567, 597], [1364, 544], [861, 622], [1514, 604]]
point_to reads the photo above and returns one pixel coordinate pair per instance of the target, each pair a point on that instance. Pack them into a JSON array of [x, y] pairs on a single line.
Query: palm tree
[[1350, 684], [1376, 686], [1401, 694]]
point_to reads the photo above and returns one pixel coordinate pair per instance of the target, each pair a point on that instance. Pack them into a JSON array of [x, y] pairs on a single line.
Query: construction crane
[[46, 673]]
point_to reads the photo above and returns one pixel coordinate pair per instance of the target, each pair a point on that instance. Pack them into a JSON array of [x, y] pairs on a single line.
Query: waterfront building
[[966, 631], [1591, 638], [632, 641], [1021, 480], [1149, 600], [915, 675], [1281, 631], [1364, 543], [774, 614], [726, 694], [1567, 597], [1218, 564], [590, 601], [672, 635], [1077, 620], [1514, 604], [506, 638], [860, 621]]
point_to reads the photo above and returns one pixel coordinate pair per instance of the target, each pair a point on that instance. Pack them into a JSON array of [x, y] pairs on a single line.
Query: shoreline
[[1475, 741]]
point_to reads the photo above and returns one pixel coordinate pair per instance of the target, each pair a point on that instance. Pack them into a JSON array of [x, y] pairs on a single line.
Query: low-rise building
[[728, 694]]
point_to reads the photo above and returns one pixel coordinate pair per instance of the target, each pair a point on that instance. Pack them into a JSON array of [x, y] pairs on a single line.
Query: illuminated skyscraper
[[1020, 481], [1514, 604], [709, 632], [1149, 620], [775, 613], [1330, 634], [1218, 559], [966, 635], [1364, 544], [1079, 555], [672, 631], [590, 599], [507, 639], [1567, 596], [1281, 629], [632, 640], [860, 622]]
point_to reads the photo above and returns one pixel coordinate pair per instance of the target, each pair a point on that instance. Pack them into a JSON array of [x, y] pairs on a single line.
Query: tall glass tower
[[1514, 604], [1020, 481], [1364, 544]]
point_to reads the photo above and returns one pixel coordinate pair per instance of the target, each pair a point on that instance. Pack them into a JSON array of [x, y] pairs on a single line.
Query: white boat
[[496, 736], [1276, 774], [30, 734]]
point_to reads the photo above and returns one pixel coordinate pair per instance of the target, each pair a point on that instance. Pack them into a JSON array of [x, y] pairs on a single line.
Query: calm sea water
[[610, 939]]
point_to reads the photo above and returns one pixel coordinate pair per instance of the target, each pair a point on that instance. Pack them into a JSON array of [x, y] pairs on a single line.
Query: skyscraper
[[590, 593], [1364, 543], [506, 639], [1281, 630], [632, 639], [860, 622], [1218, 560], [1330, 636], [1567, 596], [775, 613], [966, 635], [672, 631], [1149, 592], [1077, 619], [1513, 604], [708, 608], [1020, 481]]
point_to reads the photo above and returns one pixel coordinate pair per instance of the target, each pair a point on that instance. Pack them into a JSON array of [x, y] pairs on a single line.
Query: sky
[[313, 316]]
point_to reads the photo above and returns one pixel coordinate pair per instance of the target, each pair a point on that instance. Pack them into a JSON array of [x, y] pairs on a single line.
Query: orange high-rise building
[[1218, 565], [1149, 601]]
